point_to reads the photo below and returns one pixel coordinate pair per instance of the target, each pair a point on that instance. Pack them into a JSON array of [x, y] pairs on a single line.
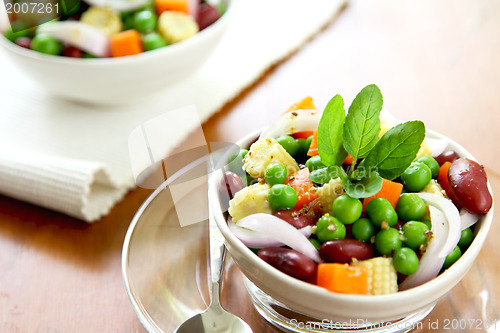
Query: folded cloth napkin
[[74, 158]]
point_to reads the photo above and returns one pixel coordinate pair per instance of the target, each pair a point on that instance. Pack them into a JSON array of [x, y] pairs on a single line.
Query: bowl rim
[[438, 283], [171, 49]]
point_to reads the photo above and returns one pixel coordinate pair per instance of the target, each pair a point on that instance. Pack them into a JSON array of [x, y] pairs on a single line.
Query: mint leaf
[[330, 144], [362, 124], [367, 186], [324, 175], [395, 151]]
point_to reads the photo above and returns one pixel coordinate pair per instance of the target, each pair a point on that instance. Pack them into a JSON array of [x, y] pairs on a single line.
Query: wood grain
[[433, 60]]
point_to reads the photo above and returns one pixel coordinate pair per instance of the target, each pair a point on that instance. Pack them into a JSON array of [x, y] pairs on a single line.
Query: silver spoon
[[215, 319]]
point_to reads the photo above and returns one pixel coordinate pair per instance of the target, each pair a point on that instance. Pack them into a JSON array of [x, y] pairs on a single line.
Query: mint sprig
[[396, 149], [362, 124], [330, 147], [358, 134]]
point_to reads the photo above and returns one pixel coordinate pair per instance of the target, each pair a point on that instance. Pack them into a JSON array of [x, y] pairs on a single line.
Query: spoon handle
[[217, 253]]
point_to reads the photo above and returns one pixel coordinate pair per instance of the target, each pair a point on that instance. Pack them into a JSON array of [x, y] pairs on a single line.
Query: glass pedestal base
[[288, 320]]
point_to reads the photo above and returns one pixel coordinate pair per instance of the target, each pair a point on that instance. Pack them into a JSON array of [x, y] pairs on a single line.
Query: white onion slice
[[118, 5], [256, 239], [467, 218], [432, 260], [448, 229], [78, 34], [293, 122], [282, 231], [437, 146]]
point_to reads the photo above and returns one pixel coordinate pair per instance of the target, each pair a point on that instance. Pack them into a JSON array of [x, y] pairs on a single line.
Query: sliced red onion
[[432, 260], [80, 35], [449, 228], [437, 146], [258, 240], [118, 5], [282, 231], [293, 122], [467, 218]]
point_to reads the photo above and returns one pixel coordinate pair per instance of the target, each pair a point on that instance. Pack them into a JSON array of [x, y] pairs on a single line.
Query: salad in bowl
[[351, 215]]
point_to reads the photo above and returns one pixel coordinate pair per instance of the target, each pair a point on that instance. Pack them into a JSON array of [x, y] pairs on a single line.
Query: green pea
[[428, 224], [347, 209], [221, 8], [128, 20], [363, 229], [387, 241], [17, 30], [329, 228], [416, 176], [275, 173], [308, 142], [153, 41], [46, 44], [314, 163], [145, 21], [87, 55], [281, 197], [415, 234], [405, 261], [410, 207], [380, 209], [431, 163], [303, 147], [452, 257], [315, 243], [235, 161], [466, 238], [289, 144]]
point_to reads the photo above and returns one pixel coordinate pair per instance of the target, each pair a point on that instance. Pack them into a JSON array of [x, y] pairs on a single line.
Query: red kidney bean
[[72, 52], [468, 182], [289, 261], [398, 225], [230, 184], [314, 208], [24, 42], [297, 219], [344, 250], [447, 156], [207, 15]]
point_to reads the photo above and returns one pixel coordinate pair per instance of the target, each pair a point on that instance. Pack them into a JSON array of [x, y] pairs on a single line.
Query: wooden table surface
[[437, 61]]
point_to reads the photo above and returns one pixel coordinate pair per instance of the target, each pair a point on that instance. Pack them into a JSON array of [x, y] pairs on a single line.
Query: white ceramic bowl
[[318, 303], [119, 80]]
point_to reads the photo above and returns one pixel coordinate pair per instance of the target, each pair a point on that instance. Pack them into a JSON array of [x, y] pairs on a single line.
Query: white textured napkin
[[74, 158]]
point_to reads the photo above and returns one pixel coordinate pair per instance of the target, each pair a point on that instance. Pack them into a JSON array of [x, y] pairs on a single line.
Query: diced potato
[[264, 152], [382, 276], [328, 193], [425, 150], [434, 188], [250, 200]]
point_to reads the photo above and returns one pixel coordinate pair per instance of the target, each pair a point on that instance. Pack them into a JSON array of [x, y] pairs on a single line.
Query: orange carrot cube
[[343, 278], [390, 190], [126, 43]]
